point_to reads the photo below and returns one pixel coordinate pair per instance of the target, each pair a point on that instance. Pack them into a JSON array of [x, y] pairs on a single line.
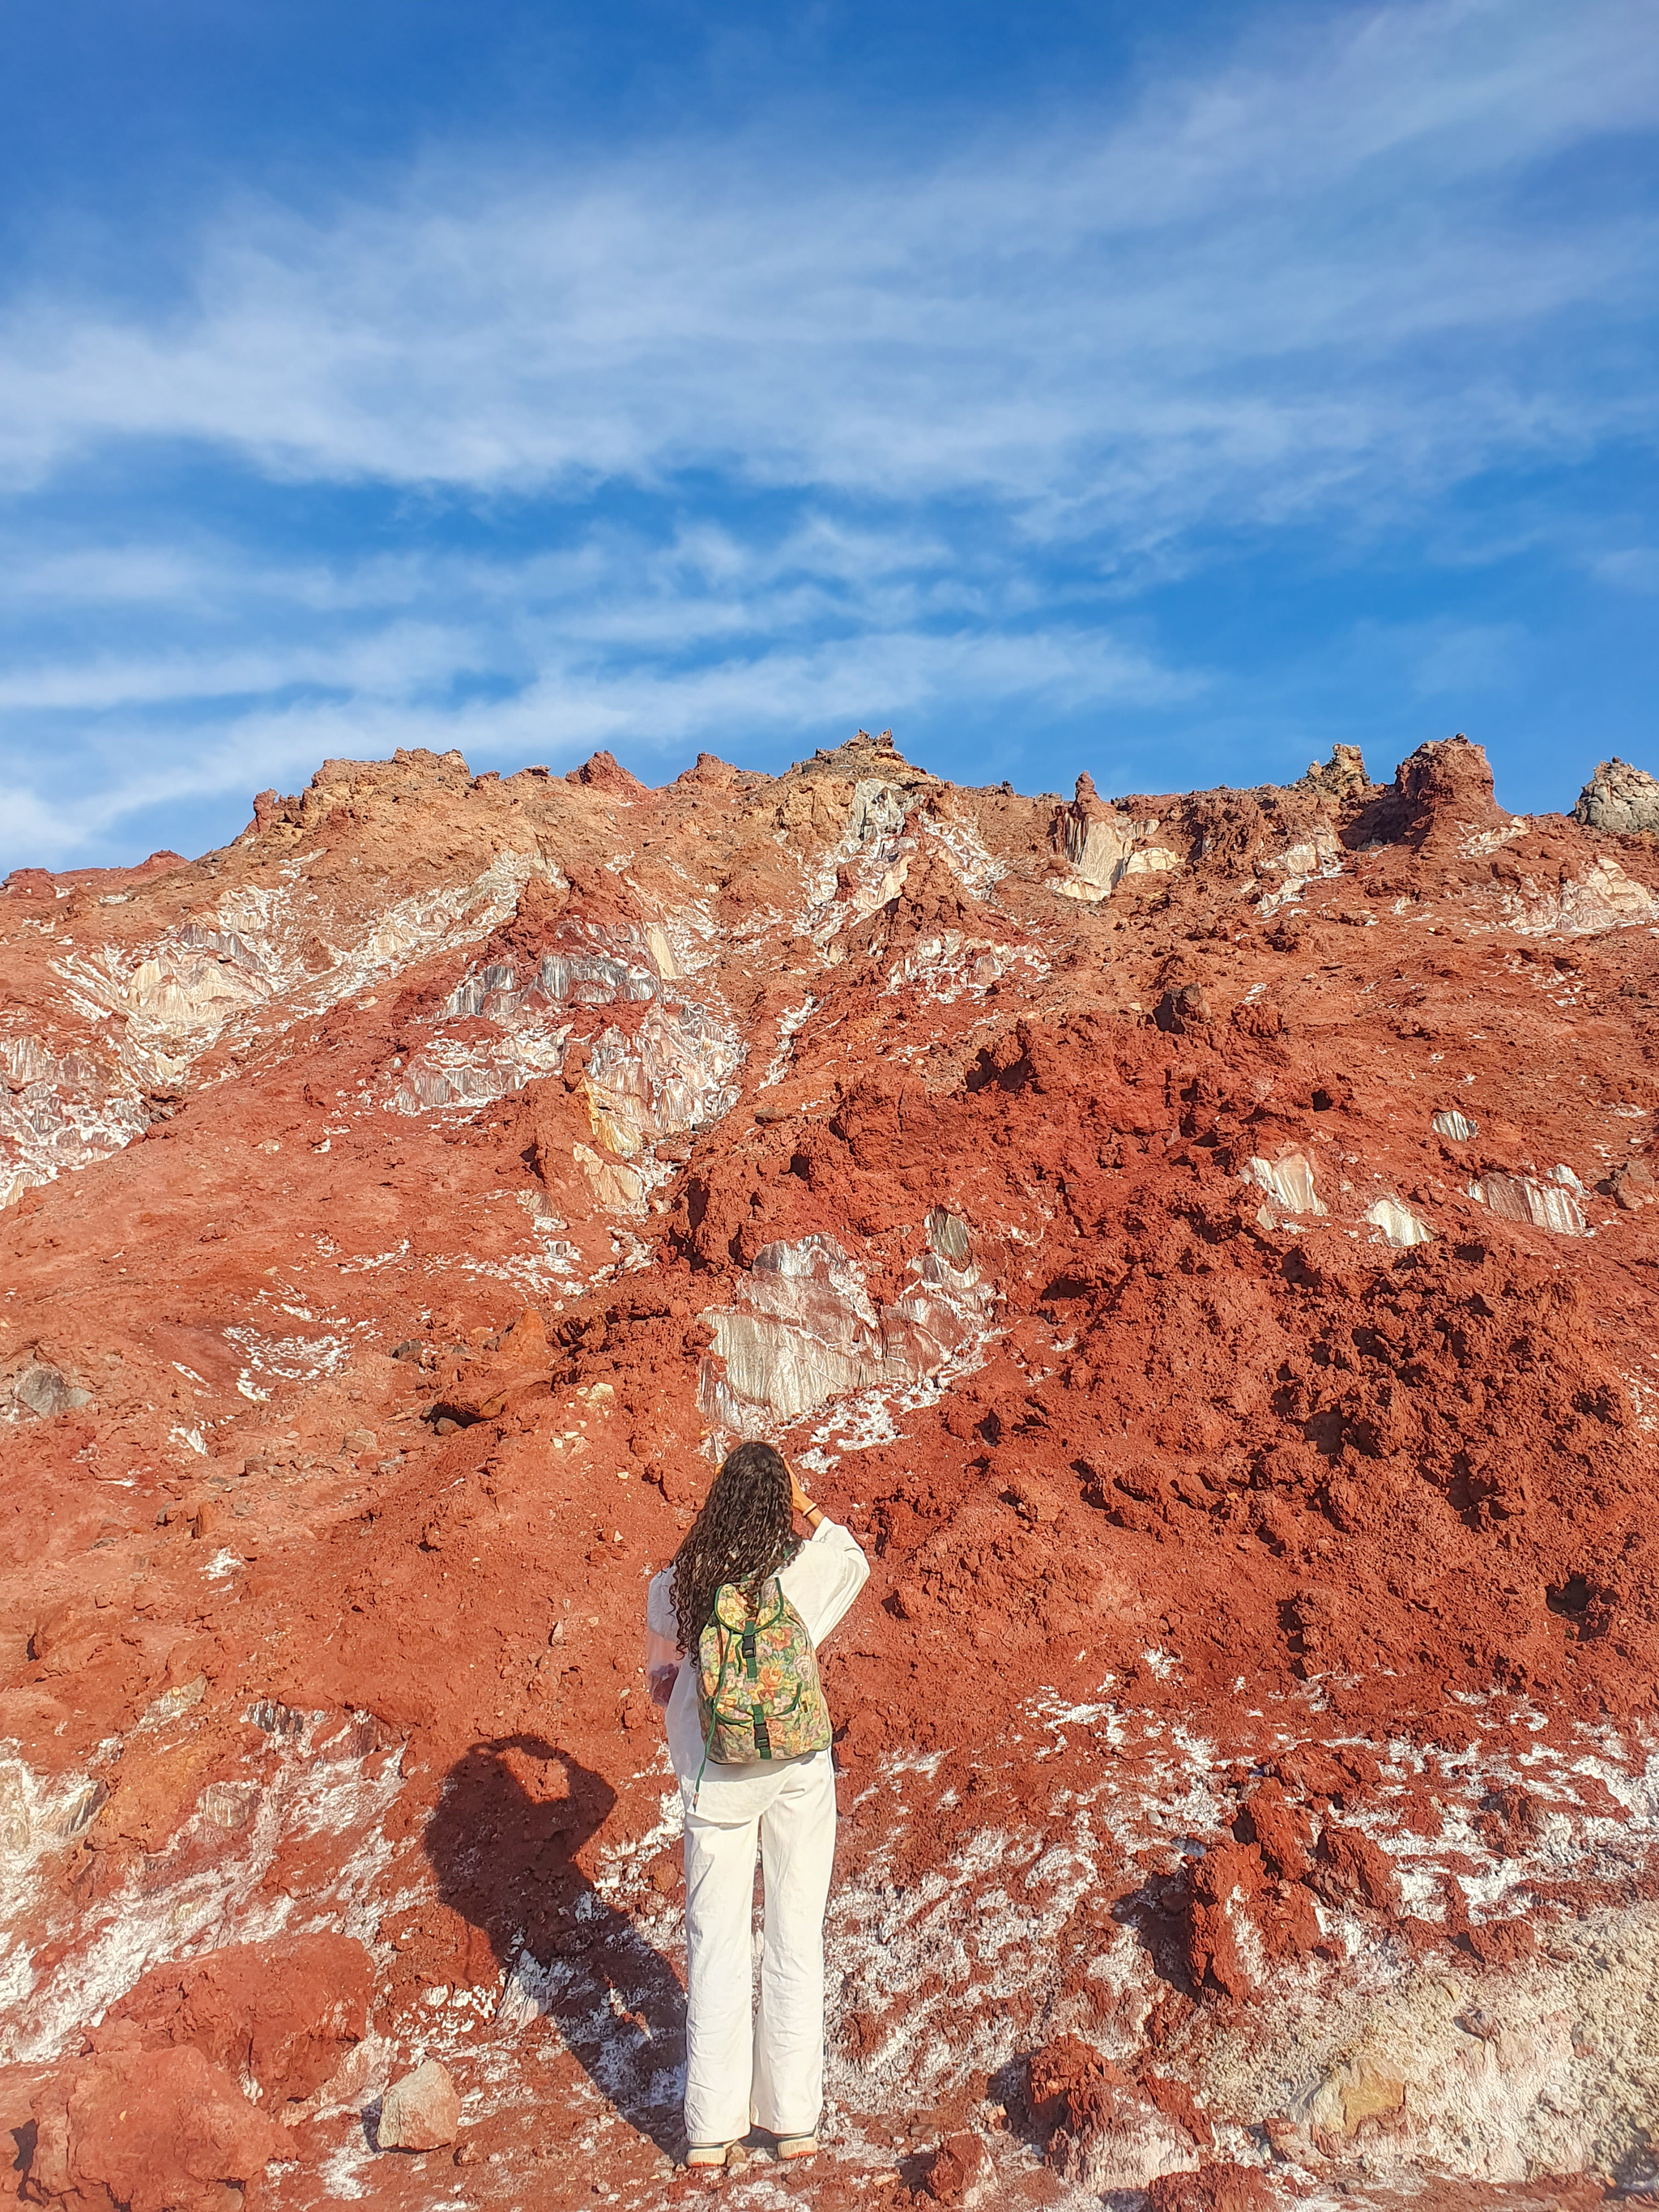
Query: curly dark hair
[[745, 1532]]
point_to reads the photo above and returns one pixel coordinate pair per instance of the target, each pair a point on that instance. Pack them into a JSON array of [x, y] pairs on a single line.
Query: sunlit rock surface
[[1203, 1243], [1619, 798]]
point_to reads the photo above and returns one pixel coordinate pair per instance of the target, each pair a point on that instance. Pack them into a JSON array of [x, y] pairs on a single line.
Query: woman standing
[[732, 1631]]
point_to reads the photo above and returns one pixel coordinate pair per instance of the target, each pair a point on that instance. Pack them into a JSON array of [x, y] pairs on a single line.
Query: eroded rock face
[[1441, 796], [1106, 844], [1110, 2134], [1220, 2185], [806, 1332], [1620, 799], [278, 2016], [162, 2130], [1210, 1266]]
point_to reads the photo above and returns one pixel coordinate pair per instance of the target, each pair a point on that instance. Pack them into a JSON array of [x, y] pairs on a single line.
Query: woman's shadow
[[503, 1844]]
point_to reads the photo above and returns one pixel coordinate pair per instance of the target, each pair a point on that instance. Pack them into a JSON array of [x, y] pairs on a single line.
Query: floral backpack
[[758, 1693]]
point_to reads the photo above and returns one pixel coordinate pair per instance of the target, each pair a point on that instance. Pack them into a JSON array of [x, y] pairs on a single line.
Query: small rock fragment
[[961, 2173], [1353, 1867], [1289, 1181], [1182, 1010], [1268, 1819], [1633, 1185], [948, 1235], [910, 1600], [1034, 1501], [421, 2112], [39, 1389]]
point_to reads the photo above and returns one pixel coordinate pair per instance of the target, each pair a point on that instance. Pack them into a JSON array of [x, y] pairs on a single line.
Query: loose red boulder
[[145, 2131], [280, 2015]]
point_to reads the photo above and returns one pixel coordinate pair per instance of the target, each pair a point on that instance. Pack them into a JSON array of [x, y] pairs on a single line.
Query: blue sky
[[1168, 393]]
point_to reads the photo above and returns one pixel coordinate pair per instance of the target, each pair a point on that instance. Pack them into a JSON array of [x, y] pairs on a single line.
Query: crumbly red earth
[[1244, 1735]]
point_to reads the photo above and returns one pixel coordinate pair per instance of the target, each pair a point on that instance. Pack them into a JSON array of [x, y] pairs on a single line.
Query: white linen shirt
[[820, 1582]]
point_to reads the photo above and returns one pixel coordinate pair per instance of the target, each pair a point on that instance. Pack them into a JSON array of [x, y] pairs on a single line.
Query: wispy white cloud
[[396, 660], [1217, 296], [1321, 284]]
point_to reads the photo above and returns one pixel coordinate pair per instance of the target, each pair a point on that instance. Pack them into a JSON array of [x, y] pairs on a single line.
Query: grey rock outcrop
[[36, 1390], [1619, 798]]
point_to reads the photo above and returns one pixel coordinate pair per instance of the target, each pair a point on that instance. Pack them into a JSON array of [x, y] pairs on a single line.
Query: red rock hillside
[[1205, 1245]]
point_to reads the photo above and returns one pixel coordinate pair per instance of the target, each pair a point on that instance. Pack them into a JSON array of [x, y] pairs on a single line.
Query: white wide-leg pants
[[769, 2072]]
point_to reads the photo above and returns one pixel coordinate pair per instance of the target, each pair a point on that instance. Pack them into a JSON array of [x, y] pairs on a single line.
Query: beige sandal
[[796, 2146]]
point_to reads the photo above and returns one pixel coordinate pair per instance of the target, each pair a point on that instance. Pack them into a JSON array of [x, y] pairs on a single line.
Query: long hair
[[745, 1532]]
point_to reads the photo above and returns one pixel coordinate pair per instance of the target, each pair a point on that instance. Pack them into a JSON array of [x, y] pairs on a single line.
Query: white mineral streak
[[39, 1815], [282, 942], [886, 830], [667, 1072], [310, 1779], [790, 1024], [1288, 1182], [1128, 2146], [867, 866], [941, 968], [1603, 897], [662, 953], [674, 1073], [551, 1267], [805, 1332], [1401, 2064], [1400, 1228], [1455, 1125], [1501, 2099], [1320, 854], [292, 1358], [973, 866], [613, 1184], [280, 950], [1104, 849], [1488, 841], [947, 1234], [545, 1225], [1518, 1198], [1472, 2071], [64, 1112]]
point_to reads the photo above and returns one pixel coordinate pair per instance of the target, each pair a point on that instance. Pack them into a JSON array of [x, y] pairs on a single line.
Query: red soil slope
[[1203, 1244]]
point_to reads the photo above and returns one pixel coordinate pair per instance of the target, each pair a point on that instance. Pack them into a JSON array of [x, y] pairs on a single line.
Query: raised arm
[[829, 1571], [812, 1515]]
